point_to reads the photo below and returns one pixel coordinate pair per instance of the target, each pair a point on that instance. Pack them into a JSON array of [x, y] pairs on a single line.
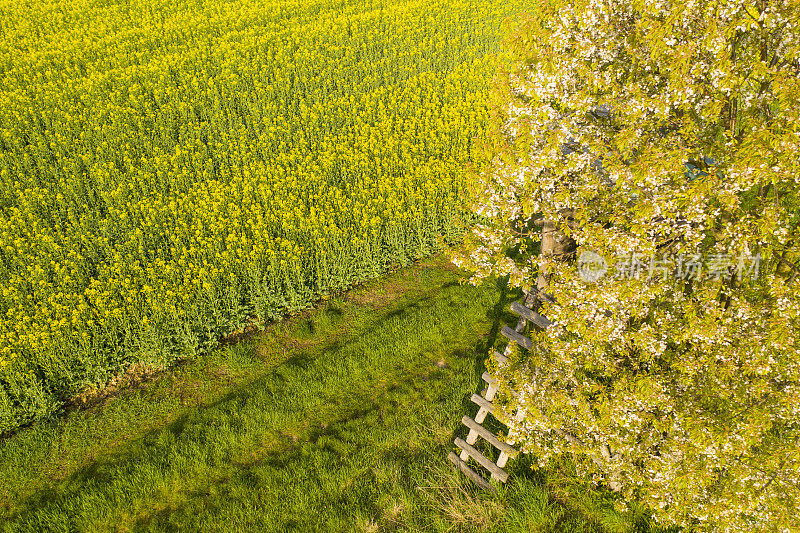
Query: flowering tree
[[660, 139]]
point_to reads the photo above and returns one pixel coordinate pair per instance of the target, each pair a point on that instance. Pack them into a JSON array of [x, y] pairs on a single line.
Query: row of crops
[[171, 169]]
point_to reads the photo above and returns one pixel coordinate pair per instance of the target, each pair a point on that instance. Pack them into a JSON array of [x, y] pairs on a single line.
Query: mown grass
[[339, 419]]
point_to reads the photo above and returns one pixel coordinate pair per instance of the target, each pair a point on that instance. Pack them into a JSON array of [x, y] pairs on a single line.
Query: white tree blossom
[[656, 130]]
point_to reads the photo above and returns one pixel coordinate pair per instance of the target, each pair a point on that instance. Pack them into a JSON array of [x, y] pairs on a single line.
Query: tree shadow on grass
[[107, 481]]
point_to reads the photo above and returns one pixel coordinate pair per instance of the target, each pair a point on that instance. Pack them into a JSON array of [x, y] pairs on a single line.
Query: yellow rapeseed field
[[171, 169]]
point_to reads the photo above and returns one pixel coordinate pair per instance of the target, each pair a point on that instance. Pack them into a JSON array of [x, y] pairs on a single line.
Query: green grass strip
[[339, 419]]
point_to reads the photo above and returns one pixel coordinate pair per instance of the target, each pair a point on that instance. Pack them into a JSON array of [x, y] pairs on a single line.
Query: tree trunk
[[554, 243]]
